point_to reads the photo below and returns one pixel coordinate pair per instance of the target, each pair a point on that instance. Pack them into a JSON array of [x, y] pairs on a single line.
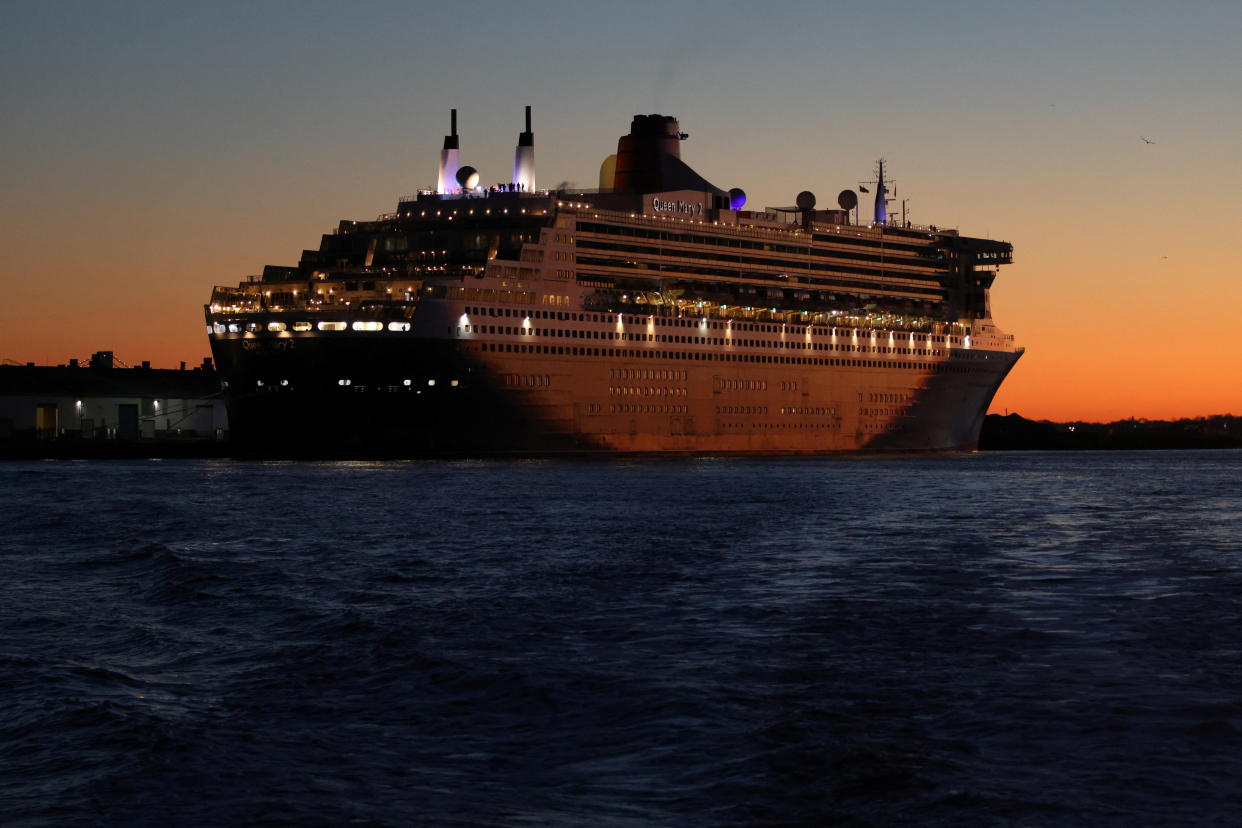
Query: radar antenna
[[881, 192]]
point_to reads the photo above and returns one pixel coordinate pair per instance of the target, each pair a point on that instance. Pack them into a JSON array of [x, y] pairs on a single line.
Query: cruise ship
[[654, 314]]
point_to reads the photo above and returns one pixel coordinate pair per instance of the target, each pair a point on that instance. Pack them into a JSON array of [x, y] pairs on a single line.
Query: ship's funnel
[[649, 159], [524, 159], [449, 161], [639, 153]]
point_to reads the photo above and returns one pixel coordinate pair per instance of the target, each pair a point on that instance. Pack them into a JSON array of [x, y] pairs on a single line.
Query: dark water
[[1025, 639]]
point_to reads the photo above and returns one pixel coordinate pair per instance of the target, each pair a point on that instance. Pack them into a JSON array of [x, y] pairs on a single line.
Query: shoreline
[[999, 433]]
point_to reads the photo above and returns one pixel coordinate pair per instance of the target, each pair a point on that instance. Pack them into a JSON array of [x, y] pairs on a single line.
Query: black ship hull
[[412, 397]]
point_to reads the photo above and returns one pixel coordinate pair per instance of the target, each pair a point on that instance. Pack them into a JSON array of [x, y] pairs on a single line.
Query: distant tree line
[[1014, 433]]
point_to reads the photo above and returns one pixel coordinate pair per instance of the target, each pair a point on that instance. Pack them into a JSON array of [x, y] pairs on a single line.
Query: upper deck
[[659, 239]]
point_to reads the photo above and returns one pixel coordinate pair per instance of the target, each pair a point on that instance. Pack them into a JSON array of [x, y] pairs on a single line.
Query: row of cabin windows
[[798, 345], [648, 373], [926, 258], [472, 294], [812, 411], [588, 334], [742, 242], [752, 426], [741, 385], [690, 322], [695, 356], [528, 380], [303, 326], [817, 279], [629, 408], [835, 274], [645, 391]]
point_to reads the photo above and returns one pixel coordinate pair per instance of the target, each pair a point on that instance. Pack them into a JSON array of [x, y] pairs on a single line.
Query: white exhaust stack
[[524, 160], [449, 162]]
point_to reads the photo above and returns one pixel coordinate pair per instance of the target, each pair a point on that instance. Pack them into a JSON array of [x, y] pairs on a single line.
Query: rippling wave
[[1024, 639]]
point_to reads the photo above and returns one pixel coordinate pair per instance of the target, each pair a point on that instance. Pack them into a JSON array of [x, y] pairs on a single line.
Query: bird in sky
[[1145, 141]]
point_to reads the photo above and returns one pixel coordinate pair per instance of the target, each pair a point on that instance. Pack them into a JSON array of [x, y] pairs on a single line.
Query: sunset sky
[[151, 151]]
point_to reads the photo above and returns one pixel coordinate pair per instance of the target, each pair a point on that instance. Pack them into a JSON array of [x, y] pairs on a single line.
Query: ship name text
[[690, 208]]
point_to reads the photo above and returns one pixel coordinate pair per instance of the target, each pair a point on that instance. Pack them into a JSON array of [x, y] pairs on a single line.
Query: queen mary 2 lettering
[[653, 315], [685, 208]]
